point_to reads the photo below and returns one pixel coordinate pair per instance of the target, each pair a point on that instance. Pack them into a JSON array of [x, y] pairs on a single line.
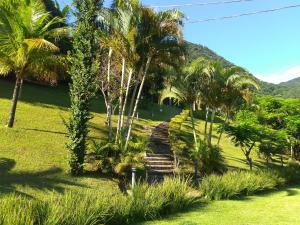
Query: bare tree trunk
[[193, 125], [249, 160], [292, 152], [120, 100], [133, 98], [109, 106], [137, 102], [222, 130], [14, 102], [206, 121], [211, 127], [126, 96], [247, 154], [131, 104]]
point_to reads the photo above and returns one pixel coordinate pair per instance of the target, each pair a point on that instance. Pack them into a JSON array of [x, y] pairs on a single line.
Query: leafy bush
[[73, 208], [210, 159], [111, 157], [291, 172], [238, 183]]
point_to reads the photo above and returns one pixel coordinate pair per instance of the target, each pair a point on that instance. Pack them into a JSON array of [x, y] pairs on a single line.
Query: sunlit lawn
[[277, 208], [33, 157]]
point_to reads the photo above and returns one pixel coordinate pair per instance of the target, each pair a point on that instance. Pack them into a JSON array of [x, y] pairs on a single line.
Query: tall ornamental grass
[[145, 202], [239, 183]]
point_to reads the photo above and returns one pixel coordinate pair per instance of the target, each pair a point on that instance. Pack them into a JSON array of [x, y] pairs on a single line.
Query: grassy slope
[[234, 157], [278, 208], [33, 157]]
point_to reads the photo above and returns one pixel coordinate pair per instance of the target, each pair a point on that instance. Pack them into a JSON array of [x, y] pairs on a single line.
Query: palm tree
[[118, 34], [237, 87], [25, 49], [157, 34]]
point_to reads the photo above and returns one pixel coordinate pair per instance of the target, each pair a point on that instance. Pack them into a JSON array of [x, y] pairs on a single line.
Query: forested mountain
[[195, 50], [290, 89]]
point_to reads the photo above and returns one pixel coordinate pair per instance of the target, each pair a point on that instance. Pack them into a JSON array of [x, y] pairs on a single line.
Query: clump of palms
[[134, 38], [26, 29], [210, 85]]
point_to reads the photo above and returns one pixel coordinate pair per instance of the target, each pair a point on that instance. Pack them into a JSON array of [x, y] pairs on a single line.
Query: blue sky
[[268, 45]]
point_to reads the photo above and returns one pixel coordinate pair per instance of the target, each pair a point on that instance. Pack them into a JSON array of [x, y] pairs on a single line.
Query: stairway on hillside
[[160, 161]]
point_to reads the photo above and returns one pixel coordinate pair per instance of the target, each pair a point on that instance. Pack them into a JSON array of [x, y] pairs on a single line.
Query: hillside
[[290, 89], [33, 157], [195, 51]]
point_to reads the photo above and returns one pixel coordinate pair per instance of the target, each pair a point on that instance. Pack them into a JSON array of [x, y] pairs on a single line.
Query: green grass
[[234, 157], [33, 157], [276, 208]]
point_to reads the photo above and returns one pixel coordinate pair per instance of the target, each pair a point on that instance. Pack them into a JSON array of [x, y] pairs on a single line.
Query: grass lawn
[[276, 208], [33, 157]]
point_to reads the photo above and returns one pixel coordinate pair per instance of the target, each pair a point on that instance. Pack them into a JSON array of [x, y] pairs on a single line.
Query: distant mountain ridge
[[289, 89]]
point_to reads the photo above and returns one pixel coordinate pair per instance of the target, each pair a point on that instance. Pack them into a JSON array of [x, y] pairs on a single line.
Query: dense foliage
[[83, 71], [290, 89]]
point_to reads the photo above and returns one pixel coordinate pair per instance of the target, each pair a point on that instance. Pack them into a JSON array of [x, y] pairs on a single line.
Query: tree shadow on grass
[[42, 180]]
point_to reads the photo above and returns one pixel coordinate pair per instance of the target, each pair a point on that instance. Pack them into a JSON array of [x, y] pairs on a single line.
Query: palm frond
[[40, 43]]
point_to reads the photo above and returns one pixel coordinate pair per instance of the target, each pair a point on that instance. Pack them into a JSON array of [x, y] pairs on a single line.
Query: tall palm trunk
[[133, 98], [14, 102], [126, 96], [206, 122], [131, 103], [193, 125], [109, 106], [121, 100], [137, 102], [222, 130], [211, 127]]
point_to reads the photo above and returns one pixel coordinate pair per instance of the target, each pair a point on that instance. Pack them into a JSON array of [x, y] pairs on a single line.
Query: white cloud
[[283, 76]]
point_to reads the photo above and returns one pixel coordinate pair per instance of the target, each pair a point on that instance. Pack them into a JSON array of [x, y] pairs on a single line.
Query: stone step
[[160, 167], [159, 162], [159, 155], [161, 172]]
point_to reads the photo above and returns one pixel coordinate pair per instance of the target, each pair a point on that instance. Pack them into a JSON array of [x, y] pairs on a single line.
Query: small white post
[[133, 176]]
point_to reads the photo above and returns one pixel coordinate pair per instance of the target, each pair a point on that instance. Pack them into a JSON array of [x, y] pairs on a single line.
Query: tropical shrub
[[210, 159], [239, 183], [291, 172], [112, 158]]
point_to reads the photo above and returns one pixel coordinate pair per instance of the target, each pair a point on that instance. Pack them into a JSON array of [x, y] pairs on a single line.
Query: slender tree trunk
[[137, 102], [248, 158], [211, 127], [193, 125], [20, 92], [126, 96], [292, 152], [206, 122], [14, 102], [133, 98], [131, 103], [121, 100], [222, 130], [109, 106]]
